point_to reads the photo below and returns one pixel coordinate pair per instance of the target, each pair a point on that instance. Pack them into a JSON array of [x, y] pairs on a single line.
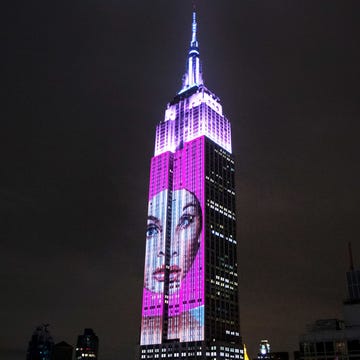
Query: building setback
[[190, 295]]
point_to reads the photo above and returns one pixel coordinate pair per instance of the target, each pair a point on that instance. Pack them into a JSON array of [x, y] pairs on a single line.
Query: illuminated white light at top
[[187, 119], [194, 25], [193, 75], [195, 113]]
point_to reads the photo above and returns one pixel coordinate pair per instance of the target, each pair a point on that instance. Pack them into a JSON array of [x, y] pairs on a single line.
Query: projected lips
[[174, 274]]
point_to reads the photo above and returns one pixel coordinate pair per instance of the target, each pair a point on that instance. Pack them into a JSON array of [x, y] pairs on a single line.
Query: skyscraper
[[190, 295], [41, 344], [87, 345]]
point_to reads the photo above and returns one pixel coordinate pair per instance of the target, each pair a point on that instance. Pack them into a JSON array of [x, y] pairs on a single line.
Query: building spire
[[194, 26], [193, 75]]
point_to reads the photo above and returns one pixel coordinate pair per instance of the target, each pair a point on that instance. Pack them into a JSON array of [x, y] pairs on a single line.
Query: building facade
[[190, 295], [87, 345]]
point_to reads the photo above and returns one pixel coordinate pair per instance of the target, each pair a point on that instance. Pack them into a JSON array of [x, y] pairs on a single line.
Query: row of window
[[327, 347]]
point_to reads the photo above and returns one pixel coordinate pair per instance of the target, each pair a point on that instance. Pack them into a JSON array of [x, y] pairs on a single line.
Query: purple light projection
[[186, 306], [176, 191]]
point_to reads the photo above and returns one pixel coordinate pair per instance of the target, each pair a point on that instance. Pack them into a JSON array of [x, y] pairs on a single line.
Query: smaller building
[[325, 339], [266, 354], [41, 344], [87, 345], [329, 339], [264, 350], [62, 351]]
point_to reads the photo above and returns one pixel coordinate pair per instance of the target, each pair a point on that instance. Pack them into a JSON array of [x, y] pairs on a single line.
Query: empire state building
[[190, 296]]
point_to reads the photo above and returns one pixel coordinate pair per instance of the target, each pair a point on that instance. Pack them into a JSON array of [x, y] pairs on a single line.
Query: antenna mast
[[351, 257]]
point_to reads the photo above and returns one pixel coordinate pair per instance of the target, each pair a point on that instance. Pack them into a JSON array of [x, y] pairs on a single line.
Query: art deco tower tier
[[190, 296]]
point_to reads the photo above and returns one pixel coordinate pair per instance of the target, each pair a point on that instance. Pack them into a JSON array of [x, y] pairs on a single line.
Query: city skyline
[[85, 87]]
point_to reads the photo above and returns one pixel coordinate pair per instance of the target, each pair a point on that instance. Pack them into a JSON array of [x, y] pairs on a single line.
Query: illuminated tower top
[[195, 111], [193, 75]]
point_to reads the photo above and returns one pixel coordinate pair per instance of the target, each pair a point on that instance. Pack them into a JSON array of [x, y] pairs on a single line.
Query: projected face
[[186, 229], [186, 223]]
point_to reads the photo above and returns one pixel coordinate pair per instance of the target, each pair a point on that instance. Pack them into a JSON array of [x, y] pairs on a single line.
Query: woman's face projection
[[186, 224]]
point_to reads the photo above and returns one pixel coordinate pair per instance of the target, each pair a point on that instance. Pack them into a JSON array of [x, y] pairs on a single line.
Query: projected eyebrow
[[195, 205]]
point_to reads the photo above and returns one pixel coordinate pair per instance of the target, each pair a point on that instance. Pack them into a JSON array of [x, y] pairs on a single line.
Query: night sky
[[83, 87]]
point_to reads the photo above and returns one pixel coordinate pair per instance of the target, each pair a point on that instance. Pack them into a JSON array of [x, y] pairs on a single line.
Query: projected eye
[[186, 220], [152, 230]]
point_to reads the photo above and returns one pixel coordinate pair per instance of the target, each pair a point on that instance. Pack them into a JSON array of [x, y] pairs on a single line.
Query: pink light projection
[[176, 218]]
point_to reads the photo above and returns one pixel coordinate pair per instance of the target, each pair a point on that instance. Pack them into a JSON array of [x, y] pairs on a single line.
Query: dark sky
[[84, 85]]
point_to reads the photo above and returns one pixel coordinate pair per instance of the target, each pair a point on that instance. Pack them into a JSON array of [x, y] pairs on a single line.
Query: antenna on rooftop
[[351, 257]]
